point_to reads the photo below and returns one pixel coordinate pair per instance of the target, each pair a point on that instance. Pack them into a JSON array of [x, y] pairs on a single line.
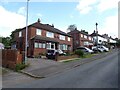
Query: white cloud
[[85, 6], [107, 4], [110, 26], [22, 11], [10, 21], [86, 10]]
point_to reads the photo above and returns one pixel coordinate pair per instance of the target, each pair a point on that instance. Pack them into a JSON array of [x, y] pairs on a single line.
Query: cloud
[[107, 5], [22, 11], [85, 6], [10, 21], [110, 26]]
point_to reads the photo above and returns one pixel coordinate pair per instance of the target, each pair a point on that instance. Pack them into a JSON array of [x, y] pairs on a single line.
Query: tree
[[71, 28], [6, 41], [84, 31], [118, 42]]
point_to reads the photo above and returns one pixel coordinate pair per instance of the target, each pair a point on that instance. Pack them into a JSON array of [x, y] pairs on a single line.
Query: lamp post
[[26, 41], [96, 35]]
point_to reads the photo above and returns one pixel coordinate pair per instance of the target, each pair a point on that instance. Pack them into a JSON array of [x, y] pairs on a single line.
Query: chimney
[[52, 25], [39, 20]]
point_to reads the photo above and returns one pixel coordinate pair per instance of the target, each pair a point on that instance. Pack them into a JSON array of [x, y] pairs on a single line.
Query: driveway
[[38, 63]]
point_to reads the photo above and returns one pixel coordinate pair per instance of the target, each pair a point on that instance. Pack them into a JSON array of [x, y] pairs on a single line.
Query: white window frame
[[50, 44], [36, 45], [20, 34], [39, 45], [38, 31], [63, 47], [50, 34], [62, 37], [82, 35], [90, 38], [85, 36], [69, 38]]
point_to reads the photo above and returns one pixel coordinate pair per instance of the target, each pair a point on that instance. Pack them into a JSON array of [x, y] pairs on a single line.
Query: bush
[[79, 53], [21, 66]]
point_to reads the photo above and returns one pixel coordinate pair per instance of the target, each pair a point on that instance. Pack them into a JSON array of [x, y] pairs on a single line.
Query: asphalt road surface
[[102, 73]]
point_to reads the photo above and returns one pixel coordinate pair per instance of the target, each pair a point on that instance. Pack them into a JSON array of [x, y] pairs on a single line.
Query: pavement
[[41, 68]]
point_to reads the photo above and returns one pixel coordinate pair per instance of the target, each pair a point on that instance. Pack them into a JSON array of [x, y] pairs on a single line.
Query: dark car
[[51, 54]]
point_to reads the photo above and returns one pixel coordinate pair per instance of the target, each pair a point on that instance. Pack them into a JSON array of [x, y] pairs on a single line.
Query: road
[[102, 73]]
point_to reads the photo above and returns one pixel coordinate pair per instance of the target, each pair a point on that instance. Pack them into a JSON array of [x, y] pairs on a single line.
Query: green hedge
[[79, 53]]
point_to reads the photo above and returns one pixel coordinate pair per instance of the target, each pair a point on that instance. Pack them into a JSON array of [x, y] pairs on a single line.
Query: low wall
[[66, 57], [10, 58]]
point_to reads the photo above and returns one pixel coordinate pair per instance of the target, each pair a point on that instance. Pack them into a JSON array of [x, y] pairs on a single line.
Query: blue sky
[[84, 14]]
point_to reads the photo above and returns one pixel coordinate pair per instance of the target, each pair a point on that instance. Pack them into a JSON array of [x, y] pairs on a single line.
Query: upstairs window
[[85, 36], [20, 34], [50, 34], [82, 35], [38, 31], [68, 38], [62, 37], [90, 38]]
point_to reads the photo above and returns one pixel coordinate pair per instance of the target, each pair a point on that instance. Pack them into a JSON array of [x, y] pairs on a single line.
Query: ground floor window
[[39, 45], [50, 45], [63, 47]]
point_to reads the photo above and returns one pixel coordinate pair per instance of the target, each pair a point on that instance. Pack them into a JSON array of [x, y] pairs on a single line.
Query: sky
[[62, 13]]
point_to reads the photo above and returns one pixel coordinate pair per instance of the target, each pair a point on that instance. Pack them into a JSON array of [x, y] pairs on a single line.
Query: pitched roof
[[79, 32], [38, 37], [45, 27]]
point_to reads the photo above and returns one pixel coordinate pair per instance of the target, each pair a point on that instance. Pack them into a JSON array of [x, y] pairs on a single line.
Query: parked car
[[104, 48], [85, 49], [95, 49], [52, 53]]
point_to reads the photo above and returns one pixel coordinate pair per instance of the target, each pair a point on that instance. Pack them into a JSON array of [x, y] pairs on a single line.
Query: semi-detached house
[[81, 39], [42, 37]]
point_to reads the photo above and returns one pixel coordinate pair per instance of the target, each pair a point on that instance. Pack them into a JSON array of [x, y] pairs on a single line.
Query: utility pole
[[26, 41], [97, 35]]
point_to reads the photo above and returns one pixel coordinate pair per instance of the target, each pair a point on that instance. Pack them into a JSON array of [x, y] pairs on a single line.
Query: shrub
[[21, 66], [79, 53]]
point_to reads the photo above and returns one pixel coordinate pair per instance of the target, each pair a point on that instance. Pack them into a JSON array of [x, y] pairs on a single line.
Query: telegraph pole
[[26, 41], [97, 35]]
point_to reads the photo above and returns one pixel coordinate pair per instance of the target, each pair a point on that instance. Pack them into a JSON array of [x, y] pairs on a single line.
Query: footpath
[[46, 68]]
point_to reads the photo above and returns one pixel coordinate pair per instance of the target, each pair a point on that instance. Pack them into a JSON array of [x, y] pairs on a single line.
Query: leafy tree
[[71, 28], [118, 42], [6, 41]]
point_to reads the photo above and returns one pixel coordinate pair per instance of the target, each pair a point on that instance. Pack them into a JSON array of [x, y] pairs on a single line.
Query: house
[[99, 39], [81, 39], [104, 40], [42, 37], [112, 42]]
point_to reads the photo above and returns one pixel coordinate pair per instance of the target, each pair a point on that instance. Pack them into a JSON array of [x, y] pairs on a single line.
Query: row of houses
[[44, 36]]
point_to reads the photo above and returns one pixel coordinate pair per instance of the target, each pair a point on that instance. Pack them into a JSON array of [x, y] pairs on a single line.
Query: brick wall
[[10, 58]]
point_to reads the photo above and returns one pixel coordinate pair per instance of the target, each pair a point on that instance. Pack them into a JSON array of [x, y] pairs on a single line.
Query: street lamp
[[97, 35], [26, 41]]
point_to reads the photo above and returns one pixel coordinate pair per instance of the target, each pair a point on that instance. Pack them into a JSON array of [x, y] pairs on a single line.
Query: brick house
[[40, 38], [81, 39]]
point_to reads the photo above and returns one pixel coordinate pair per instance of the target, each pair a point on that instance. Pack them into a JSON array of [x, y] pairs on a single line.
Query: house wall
[[31, 34], [78, 40]]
